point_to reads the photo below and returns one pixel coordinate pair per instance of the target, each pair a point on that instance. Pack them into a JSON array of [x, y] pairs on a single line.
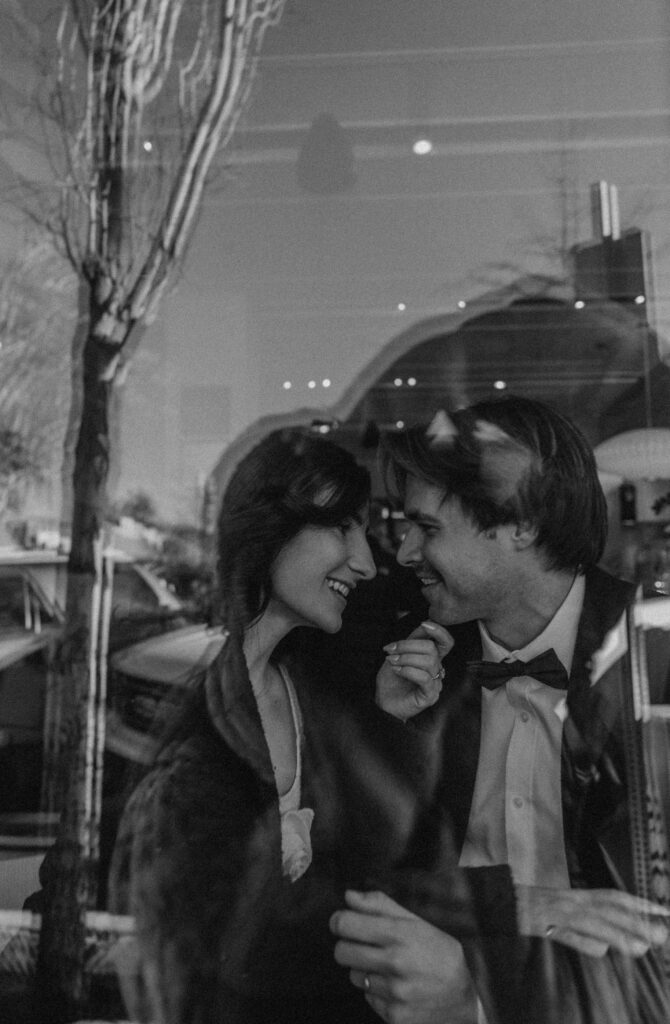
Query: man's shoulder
[[613, 587], [606, 596]]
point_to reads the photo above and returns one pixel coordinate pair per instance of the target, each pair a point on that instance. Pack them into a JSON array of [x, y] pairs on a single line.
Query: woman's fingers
[[441, 636]]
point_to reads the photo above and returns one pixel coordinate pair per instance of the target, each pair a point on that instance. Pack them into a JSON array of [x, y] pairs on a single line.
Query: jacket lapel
[[463, 723], [594, 709], [593, 785], [234, 712]]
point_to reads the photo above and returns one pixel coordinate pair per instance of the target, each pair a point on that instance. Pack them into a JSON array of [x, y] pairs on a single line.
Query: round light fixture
[[422, 147]]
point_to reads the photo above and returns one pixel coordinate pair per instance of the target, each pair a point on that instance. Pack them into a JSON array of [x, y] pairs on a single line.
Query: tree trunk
[[71, 871]]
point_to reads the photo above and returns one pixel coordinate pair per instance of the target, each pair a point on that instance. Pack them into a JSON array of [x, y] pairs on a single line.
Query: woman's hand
[[410, 679], [592, 920], [409, 971]]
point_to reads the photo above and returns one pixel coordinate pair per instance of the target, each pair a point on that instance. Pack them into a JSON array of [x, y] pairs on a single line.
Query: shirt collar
[[560, 633]]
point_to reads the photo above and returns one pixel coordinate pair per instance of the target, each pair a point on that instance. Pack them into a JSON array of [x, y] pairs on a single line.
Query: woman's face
[[316, 571]]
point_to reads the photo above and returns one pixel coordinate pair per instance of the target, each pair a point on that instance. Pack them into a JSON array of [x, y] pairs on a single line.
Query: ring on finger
[[366, 982], [549, 930], [438, 675]]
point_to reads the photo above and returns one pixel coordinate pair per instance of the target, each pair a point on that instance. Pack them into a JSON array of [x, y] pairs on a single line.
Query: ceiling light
[[311, 383], [422, 147], [640, 300], [499, 385], [325, 383], [400, 424], [147, 146], [411, 381], [402, 307], [579, 304], [286, 385], [461, 303], [398, 382]]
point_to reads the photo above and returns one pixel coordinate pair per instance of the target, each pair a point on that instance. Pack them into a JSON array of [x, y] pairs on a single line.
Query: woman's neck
[[260, 641], [272, 699]]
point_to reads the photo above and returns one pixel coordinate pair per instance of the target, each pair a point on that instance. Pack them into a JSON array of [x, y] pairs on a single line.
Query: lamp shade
[[636, 454]]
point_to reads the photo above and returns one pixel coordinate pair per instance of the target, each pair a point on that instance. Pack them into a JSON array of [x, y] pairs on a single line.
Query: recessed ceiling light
[[640, 300], [411, 381], [286, 385], [422, 147], [402, 307], [579, 304], [398, 382], [461, 303], [325, 383], [311, 383], [499, 385], [147, 146]]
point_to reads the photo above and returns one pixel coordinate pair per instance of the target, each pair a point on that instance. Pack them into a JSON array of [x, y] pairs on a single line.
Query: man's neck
[[529, 612]]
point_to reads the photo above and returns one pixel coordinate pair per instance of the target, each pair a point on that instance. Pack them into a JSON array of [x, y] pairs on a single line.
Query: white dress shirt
[[516, 816]]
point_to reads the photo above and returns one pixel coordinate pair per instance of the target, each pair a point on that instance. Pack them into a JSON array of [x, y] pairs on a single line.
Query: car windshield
[[21, 605]]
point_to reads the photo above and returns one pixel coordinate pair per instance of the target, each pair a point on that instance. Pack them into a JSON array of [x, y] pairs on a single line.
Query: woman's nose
[[362, 561]]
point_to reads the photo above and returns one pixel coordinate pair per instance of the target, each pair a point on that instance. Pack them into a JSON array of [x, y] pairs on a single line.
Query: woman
[[238, 844]]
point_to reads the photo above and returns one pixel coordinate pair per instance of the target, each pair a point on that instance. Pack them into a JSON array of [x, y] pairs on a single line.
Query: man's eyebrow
[[416, 515]]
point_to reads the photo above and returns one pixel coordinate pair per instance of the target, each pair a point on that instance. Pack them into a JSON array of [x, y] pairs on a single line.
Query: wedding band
[[439, 675], [549, 930], [366, 982]]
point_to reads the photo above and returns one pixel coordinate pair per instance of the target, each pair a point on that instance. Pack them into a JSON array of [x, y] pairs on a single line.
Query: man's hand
[[410, 972], [592, 920], [410, 679]]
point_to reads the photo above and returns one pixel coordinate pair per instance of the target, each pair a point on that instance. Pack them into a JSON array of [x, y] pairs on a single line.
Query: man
[[506, 522]]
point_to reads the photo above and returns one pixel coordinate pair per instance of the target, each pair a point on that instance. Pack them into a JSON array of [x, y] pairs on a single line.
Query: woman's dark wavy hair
[[511, 460], [290, 480]]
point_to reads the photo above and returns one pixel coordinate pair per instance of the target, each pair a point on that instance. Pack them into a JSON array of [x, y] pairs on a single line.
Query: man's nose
[[409, 552]]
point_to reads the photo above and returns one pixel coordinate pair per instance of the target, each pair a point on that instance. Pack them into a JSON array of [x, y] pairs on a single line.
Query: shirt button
[[524, 716], [517, 801]]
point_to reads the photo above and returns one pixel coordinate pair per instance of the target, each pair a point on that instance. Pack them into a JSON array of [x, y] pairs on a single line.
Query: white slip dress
[[296, 821]]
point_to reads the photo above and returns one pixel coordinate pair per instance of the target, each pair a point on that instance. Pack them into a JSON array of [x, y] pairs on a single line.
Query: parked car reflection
[[32, 613]]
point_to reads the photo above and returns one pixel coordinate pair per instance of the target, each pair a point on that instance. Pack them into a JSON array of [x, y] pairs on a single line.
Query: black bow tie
[[546, 668]]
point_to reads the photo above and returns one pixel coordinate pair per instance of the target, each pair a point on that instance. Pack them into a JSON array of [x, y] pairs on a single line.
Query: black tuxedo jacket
[[596, 825], [539, 981]]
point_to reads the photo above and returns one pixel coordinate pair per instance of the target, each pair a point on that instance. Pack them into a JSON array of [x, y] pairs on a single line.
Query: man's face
[[465, 573]]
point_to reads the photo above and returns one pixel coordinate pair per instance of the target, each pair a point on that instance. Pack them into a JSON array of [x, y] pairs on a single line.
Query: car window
[[131, 594]]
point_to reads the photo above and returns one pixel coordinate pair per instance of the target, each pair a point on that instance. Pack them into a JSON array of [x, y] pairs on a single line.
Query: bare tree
[[36, 295], [144, 93]]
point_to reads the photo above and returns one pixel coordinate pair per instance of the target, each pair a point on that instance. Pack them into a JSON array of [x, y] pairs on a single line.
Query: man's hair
[[510, 460]]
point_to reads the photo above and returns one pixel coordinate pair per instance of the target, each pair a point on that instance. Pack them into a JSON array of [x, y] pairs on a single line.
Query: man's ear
[[523, 535]]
